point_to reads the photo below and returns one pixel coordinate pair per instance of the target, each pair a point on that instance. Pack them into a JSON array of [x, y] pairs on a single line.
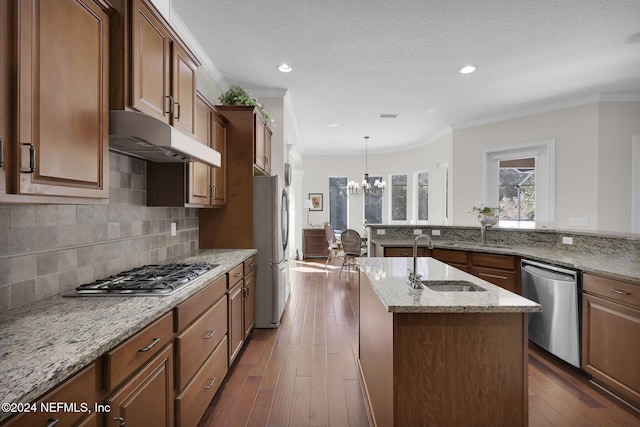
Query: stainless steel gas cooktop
[[148, 280]]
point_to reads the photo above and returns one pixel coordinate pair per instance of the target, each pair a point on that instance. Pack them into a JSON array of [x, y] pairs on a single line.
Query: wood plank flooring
[[305, 374]]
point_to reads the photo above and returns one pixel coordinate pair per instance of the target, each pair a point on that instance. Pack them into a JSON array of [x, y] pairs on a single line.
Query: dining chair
[[351, 246], [334, 247]]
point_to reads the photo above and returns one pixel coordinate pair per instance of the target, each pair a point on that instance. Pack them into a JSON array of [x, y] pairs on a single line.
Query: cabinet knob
[[170, 104], [32, 157], [211, 383], [150, 346], [618, 292]]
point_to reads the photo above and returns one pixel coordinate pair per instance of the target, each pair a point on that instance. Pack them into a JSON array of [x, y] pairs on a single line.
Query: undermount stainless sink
[[452, 286]]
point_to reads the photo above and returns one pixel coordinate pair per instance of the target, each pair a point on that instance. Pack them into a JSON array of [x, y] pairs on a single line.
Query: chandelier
[[366, 187]]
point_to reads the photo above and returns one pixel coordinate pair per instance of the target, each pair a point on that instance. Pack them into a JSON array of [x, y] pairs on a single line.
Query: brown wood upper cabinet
[[248, 124], [193, 184], [55, 67], [157, 73]]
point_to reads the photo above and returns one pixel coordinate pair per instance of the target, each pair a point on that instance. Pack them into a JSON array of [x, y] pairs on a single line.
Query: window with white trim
[[373, 203], [338, 203], [398, 197]]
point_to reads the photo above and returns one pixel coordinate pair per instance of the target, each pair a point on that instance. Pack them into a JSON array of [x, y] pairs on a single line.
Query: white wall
[[592, 165], [317, 170], [618, 123]]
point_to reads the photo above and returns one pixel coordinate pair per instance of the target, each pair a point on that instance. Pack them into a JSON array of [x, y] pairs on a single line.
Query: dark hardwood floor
[[305, 374]]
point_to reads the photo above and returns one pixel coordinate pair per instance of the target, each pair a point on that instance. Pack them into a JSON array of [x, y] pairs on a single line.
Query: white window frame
[[635, 184], [544, 153], [371, 181], [414, 198]]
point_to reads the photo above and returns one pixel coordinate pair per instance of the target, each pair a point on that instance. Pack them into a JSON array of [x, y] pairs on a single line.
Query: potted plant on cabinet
[[237, 95]]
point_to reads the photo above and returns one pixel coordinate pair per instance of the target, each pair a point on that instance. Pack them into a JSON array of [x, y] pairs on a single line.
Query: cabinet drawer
[[129, 356], [450, 256], [193, 401], [391, 251], [504, 262], [195, 344], [192, 308], [82, 387], [249, 265], [235, 274], [616, 290]]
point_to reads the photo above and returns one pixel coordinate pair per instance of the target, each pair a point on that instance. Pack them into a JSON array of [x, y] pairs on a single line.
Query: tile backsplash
[[51, 249]]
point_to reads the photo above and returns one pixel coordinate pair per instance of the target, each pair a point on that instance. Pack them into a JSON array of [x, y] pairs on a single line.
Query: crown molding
[[602, 97], [178, 25]]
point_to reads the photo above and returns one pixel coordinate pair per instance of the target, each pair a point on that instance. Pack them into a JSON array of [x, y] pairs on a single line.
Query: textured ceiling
[[356, 59]]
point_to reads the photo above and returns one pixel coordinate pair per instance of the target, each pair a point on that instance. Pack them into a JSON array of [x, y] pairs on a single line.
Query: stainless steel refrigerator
[[271, 239]]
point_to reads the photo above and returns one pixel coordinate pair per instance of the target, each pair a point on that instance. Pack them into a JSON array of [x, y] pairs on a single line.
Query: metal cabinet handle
[[177, 110], [245, 291], [210, 335], [1, 152], [120, 421], [213, 381], [170, 104], [32, 157], [237, 275], [617, 292], [150, 346], [51, 422], [266, 160], [215, 191]]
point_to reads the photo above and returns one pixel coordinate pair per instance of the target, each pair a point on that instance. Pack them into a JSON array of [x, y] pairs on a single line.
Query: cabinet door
[[184, 91], [150, 65], [147, 398], [200, 173], [62, 90], [236, 329], [267, 150], [249, 303], [610, 345], [220, 174], [259, 144]]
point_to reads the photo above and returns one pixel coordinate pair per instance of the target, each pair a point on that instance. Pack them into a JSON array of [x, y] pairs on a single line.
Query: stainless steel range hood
[[146, 137]]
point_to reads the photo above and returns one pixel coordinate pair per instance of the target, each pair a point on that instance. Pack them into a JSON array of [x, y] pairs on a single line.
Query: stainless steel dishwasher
[[557, 290]]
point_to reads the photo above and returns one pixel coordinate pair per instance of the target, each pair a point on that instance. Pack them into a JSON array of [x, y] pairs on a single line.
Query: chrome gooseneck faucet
[[414, 277]]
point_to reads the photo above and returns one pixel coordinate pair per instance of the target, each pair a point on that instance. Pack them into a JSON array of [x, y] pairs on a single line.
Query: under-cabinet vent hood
[[146, 137]]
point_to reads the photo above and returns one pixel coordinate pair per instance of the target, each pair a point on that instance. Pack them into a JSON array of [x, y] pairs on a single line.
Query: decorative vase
[[488, 219]]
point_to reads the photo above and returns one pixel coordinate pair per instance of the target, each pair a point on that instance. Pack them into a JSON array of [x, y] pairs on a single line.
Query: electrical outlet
[[381, 232], [417, 231], [567, 240], [435, 232], [173, 229]]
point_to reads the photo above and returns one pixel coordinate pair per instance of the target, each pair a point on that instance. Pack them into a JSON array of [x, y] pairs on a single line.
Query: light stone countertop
[[606, 265], [46, 342], [388, 277]]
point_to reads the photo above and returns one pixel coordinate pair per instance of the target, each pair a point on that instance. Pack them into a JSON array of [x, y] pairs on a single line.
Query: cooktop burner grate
[[161, 279]]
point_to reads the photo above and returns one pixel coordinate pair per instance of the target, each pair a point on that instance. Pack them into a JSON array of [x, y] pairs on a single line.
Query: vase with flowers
[[486, 215]]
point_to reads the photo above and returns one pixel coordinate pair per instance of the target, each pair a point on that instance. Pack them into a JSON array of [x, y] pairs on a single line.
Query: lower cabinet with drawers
[[611, 335], [166, 374]]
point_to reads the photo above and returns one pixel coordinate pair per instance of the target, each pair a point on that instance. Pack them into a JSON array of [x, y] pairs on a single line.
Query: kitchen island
[[429, 357]]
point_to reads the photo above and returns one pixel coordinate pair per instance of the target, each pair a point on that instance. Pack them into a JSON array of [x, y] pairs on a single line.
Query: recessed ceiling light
[[285, 68], [467, 69]]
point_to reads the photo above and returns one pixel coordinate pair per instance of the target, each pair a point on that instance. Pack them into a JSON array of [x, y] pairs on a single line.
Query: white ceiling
[[356, 59]]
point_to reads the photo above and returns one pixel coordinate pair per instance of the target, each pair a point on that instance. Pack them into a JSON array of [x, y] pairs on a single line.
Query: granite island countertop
[[46, 342], [615, 267], [388, 277]]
